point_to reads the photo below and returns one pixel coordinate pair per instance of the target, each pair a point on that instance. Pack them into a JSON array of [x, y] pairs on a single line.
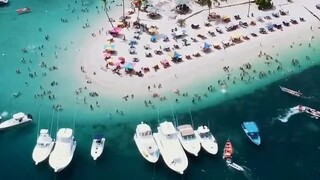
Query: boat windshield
[[253, 135], [205, 135], [147, 133], [189, 137]]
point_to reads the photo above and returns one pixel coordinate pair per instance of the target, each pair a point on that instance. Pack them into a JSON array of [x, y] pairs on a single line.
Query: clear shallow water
[[121, 159]]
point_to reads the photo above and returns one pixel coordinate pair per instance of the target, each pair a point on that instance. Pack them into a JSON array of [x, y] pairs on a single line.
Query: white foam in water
[[4, 114], [290, 112]]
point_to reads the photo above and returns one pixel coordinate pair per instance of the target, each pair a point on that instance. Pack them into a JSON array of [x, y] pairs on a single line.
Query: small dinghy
[[97, 146]]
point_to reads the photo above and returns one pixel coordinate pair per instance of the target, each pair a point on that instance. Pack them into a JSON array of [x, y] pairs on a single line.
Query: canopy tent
[[206, 46], [180, 32]]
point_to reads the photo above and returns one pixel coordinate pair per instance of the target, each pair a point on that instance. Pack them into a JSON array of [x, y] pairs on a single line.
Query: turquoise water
[[284, 147]]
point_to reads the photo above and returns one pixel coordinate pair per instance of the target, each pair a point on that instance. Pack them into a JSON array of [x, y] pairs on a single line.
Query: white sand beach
[[184, 75]]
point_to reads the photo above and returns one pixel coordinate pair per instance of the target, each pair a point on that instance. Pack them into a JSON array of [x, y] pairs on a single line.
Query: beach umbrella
[[206, 46], [153, 38], [107, 55], [152, 30], [176, 55], [121, 58], [110, 61]]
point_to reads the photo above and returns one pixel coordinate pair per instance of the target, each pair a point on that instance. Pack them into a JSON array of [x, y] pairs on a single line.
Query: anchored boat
[[17, 119], [252, 131], [145, 142], [188, 139], [207, 140], [170, 147], [97, 146], [43, 147], [290, 91]]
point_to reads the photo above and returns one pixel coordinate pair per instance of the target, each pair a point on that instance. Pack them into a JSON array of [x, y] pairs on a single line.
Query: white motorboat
[[43, 147], [17, 119], [188, 139], [97, 146], [170, 147], [4, 2], [63, 151], [146, 144], [207, 140]]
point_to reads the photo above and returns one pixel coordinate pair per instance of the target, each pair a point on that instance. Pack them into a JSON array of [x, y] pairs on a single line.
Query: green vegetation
[[264, 4]]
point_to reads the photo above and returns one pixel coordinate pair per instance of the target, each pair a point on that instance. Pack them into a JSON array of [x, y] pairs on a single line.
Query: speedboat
[[43, 147], [63, 151], [23, 10], [2, 2], [17, 119], [97, 146], [188, 139], [252, 131], [146, 144], [290, 91], [228, 151], [207, 140], [170, 147]]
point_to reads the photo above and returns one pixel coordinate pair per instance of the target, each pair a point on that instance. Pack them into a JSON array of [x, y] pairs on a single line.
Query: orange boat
[[23, 10], [227, 151]]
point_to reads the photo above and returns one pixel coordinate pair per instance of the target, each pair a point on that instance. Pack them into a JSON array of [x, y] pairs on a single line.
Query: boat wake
[[288, 113], [4, 114], [246, 171]]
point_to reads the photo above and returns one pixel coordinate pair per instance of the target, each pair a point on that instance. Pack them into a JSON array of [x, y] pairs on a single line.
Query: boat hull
[[40, 154], [147, 148], [176, 159], [13, 122], [97, 148], [192, 146], [60, 163]]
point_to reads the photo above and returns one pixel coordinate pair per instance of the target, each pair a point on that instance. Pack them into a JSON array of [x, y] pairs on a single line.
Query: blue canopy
[[153, 38], [176, 55], [128, 66], [206, 46], [251, 126], [98, 136]]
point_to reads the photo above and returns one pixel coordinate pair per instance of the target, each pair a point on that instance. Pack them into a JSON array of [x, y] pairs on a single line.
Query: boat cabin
[[204, 132], [19, 116], [167, 129], [143, 130], [64, 135], [186, 132]]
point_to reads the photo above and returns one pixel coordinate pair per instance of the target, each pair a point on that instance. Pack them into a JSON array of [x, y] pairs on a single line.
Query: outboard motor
[[29, 116]]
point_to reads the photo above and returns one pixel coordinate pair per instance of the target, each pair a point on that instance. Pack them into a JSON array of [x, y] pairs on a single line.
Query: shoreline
[[181, 76]]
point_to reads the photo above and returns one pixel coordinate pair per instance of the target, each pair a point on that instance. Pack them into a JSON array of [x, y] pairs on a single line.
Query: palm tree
[[209, 4], [181, 22], [124, 18], [105, 9]]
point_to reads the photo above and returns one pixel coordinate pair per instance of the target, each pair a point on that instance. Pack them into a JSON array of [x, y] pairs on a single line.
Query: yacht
[[170, 147], [252, 131], [2, 2], [43, 147], [17, 119], [292, 92], [97, 146], [63, 151], [146, 144], [188, 139], [207, 140]]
